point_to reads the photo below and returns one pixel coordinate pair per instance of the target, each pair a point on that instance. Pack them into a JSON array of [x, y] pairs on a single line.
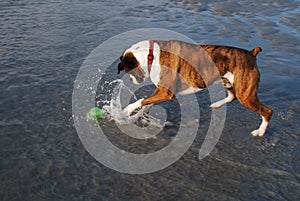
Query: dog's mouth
[[136, 80]]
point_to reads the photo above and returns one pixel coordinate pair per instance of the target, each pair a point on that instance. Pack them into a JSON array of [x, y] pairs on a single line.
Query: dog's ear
[[120, 67]]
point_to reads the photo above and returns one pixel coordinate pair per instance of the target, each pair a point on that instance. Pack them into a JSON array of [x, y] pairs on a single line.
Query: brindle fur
[[185, 65]]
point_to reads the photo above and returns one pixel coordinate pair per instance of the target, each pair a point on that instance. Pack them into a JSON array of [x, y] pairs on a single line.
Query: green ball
[[95, 113]]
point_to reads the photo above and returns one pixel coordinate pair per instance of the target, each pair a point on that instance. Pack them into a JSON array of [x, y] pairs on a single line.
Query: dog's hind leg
[[230, 97], [255, 105], [247, 95]]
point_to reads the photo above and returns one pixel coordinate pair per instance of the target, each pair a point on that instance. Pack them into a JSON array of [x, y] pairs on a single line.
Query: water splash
[[113, 109]]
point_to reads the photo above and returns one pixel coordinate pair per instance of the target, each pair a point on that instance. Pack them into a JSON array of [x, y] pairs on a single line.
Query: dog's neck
[[140, 51]]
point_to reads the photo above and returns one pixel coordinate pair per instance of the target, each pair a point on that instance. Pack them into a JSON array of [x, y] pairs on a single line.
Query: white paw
[[130, 108], [216, 105], [258, 132], [139, 114]]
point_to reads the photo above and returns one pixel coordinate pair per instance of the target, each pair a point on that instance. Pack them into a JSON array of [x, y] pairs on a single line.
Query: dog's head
[[130, 64]]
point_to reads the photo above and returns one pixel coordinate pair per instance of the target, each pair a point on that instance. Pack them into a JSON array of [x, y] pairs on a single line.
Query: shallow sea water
[[42, 47]]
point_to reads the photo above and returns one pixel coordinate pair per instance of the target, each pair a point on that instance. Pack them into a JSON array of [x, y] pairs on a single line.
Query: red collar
[[150, 55]]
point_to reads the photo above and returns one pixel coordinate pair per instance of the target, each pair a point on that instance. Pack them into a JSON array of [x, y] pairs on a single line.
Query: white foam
[[113, 109]]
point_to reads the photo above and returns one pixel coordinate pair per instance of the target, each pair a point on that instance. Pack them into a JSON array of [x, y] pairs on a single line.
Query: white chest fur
[[156, 68], [229, 76], [188, 91]]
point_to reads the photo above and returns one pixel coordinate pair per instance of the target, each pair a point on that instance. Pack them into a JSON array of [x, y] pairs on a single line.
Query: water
[[42, 46]]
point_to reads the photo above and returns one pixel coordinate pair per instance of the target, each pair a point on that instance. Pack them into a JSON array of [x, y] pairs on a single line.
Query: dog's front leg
[[160, 94]]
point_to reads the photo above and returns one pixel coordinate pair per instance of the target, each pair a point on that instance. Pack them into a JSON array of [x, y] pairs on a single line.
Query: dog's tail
[[256, 50]]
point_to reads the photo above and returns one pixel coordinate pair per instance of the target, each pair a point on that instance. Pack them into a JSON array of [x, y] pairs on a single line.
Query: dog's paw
[[132, 107], [258, 132], [128, 111], [138, 115], [215, 105]]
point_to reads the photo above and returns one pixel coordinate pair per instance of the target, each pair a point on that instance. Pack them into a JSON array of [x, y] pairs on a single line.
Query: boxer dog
[[180, 68]]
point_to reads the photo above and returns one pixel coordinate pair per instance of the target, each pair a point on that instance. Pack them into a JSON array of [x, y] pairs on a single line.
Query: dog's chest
[[190, 90], [156, 71]]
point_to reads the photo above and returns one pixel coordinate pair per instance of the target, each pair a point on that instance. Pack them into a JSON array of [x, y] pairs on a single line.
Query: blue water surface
[[44, 43]]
